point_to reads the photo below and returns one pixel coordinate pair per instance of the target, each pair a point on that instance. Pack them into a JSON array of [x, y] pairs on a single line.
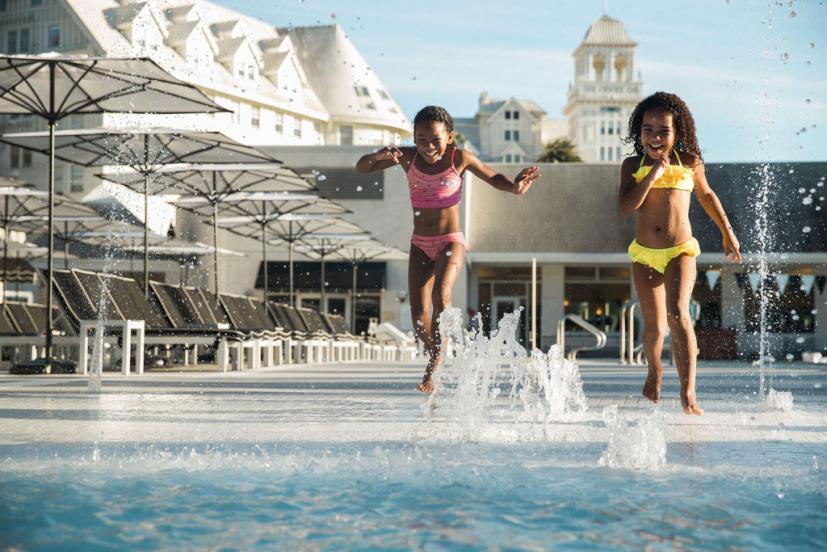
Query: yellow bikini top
[[675, 176]]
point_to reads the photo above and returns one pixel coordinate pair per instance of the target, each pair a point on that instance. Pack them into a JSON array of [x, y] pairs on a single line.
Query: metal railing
[[627, 333], [599, 336]]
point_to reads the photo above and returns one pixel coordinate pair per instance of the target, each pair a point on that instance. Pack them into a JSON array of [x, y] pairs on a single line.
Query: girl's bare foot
[[427, 384], [689, 404], [651, 388]]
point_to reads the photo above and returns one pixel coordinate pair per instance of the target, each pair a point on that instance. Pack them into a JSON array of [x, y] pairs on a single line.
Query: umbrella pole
[[290, 258], [264, 260], [5, 256], [146, 233], [50, 321], [65, 246], [215, 235], [215, 249], [353, 299], [323, 302]]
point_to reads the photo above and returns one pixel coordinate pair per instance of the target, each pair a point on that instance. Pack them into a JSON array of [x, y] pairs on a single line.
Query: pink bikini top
[[434, 190]]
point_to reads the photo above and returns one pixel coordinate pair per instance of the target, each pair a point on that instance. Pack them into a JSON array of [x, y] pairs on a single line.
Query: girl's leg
[[420, 287], [680, 279], [446, 270], [652, 297]]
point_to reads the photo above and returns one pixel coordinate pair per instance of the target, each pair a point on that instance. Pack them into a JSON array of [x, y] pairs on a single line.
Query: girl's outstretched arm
[[712, 205], [383, 159], [520, 185]]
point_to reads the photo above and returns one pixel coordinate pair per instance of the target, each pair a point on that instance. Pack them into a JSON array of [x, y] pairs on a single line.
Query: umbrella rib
[[75, 85], [44, 111]]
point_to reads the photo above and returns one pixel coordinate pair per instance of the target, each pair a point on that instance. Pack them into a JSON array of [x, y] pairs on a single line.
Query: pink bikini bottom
[[432, 246]]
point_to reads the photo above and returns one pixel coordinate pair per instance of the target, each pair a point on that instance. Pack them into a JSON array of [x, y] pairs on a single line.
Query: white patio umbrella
[[286, 221], [145, 151], [52, 87], [356, 253], [201, 187]]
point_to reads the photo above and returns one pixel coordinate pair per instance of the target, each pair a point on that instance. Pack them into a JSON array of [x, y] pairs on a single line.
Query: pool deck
[[361, 402]]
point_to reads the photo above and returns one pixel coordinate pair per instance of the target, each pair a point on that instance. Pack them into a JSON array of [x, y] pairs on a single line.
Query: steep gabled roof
[[335, 69]]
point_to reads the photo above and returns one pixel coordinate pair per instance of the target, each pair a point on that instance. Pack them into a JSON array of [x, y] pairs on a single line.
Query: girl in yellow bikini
[[657, 183]]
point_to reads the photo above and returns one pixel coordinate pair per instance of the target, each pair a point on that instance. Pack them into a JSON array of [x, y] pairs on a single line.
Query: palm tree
[[560, 150]]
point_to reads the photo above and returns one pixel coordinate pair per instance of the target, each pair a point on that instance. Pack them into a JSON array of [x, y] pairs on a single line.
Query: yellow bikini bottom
[[659, 258]]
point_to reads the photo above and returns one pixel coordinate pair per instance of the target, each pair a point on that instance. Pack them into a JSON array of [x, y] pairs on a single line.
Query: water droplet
[[321, 178], [416, 213], [358, 188], [807, 200], [802, 190], [812, 190], [818, 208], [806, 229], [789, 356], [812, 44], [807, 100], [793, 13], [448, 253], [785, 56]]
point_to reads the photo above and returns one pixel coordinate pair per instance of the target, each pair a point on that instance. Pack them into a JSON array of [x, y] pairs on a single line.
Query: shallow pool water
[[349, 457]]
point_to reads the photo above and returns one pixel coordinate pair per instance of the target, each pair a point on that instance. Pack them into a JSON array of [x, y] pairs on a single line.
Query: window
[[516, 135], [508, 158], [346, 135], [255, 117], [618, 127], [14, 160], [297, 128], [76, 184], [507, 135], [27, 158], [602, 128], [23, 37], [507, 114], [617, 153], [251, 72], [516, 115], [240, 71], [602, 153], [362, 91], [279, 125], [383, 94], [11, 39], [610, 154], [53, 38], [609, 109]]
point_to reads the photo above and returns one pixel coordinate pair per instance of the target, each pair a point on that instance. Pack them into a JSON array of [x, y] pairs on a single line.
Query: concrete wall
[[572, 208]]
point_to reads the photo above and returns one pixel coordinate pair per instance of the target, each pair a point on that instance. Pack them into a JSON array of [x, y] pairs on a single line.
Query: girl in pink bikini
[[434, 170]]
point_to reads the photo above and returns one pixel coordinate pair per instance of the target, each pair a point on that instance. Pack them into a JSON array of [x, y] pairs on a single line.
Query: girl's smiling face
[[657, 133], [432, 139]]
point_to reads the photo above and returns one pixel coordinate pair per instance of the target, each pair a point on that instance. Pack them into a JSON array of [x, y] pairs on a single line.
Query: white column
[[820, 338], [552, 295]]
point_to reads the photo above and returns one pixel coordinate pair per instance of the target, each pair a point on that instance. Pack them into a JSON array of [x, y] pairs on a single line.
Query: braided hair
[[686, 139], [435, 114]]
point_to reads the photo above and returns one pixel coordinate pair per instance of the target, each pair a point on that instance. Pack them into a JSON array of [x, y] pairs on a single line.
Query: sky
[[753, 72]]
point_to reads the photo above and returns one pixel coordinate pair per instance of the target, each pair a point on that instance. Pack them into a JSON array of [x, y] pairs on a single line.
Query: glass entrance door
[[502, 305]]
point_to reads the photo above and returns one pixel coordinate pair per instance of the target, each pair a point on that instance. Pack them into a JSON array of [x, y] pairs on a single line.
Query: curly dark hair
[[686, 136], [436, 114]]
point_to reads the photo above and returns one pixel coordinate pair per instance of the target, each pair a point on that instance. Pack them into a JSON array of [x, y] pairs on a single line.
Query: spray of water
[[488, 380], [634, 444]]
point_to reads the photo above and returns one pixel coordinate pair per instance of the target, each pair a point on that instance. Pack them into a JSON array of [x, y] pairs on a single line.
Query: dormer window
[[383, 94], [362, 91], [251, 72]]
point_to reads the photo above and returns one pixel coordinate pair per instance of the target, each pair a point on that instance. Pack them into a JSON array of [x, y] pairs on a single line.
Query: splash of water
[[634, 444], [779, 400], [485, 380]]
